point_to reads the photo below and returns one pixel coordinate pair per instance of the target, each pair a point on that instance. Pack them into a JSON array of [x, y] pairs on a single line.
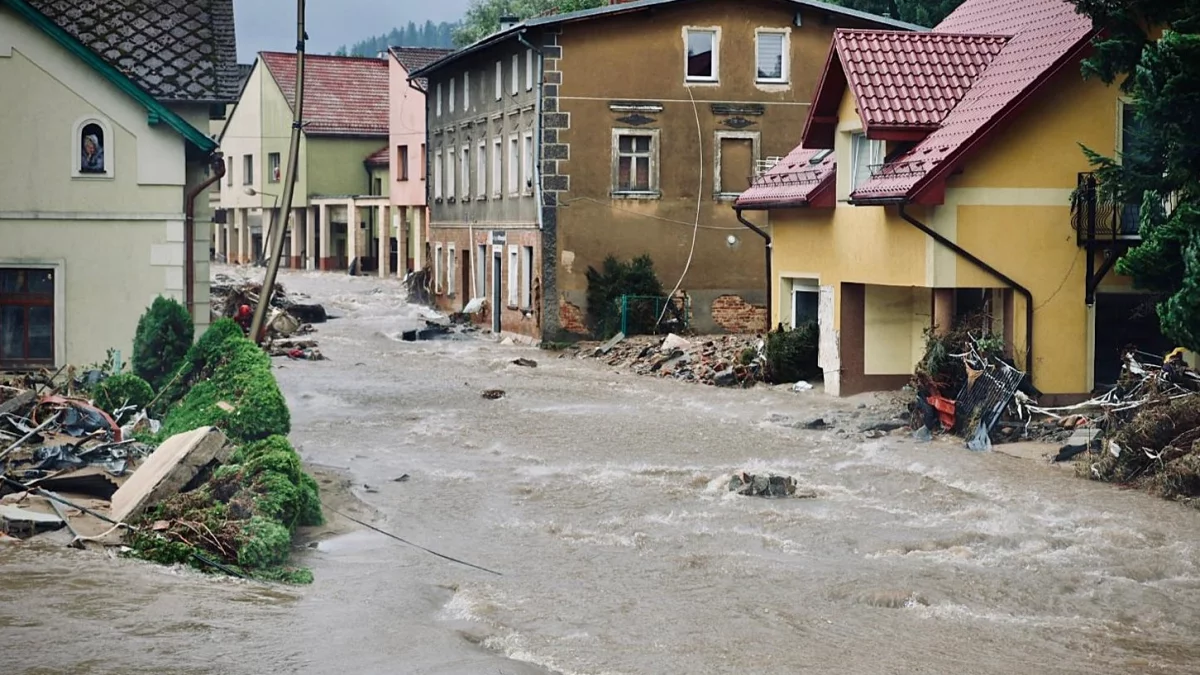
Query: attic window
[[91, 154], [820, 157]]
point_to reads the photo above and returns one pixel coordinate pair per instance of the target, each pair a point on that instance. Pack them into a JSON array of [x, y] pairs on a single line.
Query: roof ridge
[[916, 35], [327, 57]]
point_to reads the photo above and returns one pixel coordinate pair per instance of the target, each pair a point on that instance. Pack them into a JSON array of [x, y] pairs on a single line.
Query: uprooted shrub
[[122, 390], [164, 335], [1158, 448], [245, 514], [617, 278], [792, 354], [225, 381], [939, 369]]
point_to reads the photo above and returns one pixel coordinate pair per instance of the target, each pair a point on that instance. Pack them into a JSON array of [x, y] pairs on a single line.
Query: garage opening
[[1125, 320]]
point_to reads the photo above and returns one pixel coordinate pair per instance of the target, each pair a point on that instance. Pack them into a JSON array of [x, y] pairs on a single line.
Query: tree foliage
[[617, 278], [921, 12], [428, 34], [483, 16], [164, 335], [1152, 48]]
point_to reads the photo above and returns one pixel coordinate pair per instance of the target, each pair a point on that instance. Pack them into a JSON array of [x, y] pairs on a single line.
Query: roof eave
[[819, 134], [877, 201], [156, 112]]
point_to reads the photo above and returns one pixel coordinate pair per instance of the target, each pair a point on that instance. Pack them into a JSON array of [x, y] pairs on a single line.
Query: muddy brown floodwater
[[601, 497]]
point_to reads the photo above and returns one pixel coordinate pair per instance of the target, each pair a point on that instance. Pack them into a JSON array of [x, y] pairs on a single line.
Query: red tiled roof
[[795, 181], [343, 96], [902, 79], [381, 157], [416, 58], [1043, 37]]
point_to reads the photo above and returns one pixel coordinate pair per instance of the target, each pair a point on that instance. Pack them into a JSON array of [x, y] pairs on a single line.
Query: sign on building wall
[[499, 237]]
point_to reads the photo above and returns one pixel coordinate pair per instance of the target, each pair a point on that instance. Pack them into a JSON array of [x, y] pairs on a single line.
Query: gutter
[[969, 257], [767, 245], [189, 228]]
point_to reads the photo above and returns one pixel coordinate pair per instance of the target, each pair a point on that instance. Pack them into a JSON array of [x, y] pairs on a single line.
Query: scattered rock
[[875, 433], [369, 489], [818, 423], [401, 479], [886, 426], [525, 363], [493, 394], [672, 343], [751, 485], [801, 386], [726, 378]]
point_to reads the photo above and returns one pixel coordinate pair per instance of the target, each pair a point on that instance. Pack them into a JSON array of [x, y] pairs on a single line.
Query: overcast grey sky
[[270, 25]]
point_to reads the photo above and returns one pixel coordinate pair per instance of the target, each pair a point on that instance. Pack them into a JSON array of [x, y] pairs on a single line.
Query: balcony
[[1099, 222]]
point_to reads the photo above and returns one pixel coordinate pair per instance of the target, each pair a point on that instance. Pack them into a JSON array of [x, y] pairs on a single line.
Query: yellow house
[[935, 180], [102, 168]]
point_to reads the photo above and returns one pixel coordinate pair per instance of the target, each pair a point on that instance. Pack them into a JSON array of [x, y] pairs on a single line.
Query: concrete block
[[169, 469]]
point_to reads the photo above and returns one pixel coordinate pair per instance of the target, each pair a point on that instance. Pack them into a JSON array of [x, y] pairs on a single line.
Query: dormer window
[[91, 154], [866, 155]]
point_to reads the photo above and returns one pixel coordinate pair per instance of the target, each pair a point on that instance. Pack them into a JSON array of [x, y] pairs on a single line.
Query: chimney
[[507, 22]]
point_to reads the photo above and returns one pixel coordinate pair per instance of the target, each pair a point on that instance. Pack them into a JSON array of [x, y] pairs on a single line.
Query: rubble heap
[[289, 320], [723, 361]]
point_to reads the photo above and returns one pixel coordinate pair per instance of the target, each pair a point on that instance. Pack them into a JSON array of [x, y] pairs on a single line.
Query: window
[[91, 150], [701, 60], [527, 163], [526, 277], [481, 170], [772, 56], [466, 91], [437, 269], [512, 275], [450, 192], [865, 156], [26, 317], [516, 74], [499, 79], [804, 304], [465, 167], [377, 186], [514, 165], [247, 169], [273, 167], [635, 161], [424, 160], [481, 257], [736, 158], [528, 70], [452, 95], [402, 162], [437, 97], [437, 175], [229, 175], [497, 166], [451, 269]]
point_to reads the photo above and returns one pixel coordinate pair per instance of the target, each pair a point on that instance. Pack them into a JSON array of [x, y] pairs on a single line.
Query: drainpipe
[[189, 228], [966, 255], [767, 251]]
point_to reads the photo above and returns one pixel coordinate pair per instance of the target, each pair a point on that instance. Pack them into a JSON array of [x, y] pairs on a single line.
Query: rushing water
[[601, 498]]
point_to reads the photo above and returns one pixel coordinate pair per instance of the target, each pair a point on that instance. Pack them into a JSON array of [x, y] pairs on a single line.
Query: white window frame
[[497, 167], [514, 165], [655, 191], [437, 97], [528, 70], [451, 269], [874, 156], [527, 163], [499, 80], [451, 178], [438, 177], [437, 269], [785, 61], [715, 78], [755, 139], [451, 97], [526, 277], [514, 253], [801, 286], [481, 170], [466, 91], [465, 169], [515, 85], [109, 146], [481, 252]]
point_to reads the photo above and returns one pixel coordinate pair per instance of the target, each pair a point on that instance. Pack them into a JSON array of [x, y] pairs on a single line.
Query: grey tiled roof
[[177, 50]]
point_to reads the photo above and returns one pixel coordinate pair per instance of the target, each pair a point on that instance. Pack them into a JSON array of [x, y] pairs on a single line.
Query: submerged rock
[[752, 485]]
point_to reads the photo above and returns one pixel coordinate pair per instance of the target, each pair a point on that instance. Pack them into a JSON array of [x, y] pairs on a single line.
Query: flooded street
[[601, 497]]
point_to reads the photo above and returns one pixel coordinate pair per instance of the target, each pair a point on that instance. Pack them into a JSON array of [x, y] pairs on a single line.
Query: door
[[497, 259], [466, 278]]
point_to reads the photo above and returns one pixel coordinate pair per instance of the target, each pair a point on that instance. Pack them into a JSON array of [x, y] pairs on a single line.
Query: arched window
[[91, 149]]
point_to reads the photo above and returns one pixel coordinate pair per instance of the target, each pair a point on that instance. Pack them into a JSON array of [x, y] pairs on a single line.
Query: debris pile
[[766, 485], [723, 361], [289, 318]]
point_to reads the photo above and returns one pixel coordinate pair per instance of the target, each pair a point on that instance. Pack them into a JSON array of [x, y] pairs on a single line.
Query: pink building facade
[[410, 213]]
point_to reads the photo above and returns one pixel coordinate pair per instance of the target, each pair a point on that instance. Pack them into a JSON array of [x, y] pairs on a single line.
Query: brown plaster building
[[624, 130]]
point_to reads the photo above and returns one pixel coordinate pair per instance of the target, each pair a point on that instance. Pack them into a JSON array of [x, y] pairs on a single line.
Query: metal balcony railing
[[1097, 219]]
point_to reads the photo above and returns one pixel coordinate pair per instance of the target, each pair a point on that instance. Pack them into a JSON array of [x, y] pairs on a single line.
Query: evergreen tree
[[920, 12], [428, 34], [483, 16], [1152, 48]]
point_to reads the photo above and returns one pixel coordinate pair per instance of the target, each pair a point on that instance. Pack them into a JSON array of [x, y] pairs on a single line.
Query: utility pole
[[280, 217]]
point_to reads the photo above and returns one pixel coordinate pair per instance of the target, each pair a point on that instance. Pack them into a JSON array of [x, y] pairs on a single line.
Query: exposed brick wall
[[735, 315], [570, 317]]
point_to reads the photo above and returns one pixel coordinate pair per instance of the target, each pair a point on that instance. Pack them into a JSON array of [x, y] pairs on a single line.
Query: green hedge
[[164, 335], [122, 390], [792, 354]]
